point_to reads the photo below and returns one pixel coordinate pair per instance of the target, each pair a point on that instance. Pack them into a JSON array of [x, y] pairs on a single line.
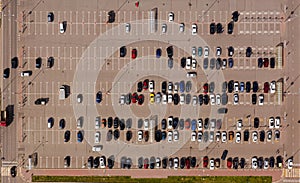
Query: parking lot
[[87, 61]]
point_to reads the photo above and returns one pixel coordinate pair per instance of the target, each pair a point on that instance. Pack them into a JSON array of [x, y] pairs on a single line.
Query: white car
[[211, 164], [206, 51], [254, 162], [273, 87], [266, 164], [218, 99], [164, 99], [164, 28], [235, 99], [176, 87], [170, 136], [269, 135], [200, 136], [188, 63], [290, 163], [193, 136], [236, 86], [146, 124], [176, 163], [224, 136], [170, 122], [182, 99], [239, 124], [195, 100], [194, 51], [127, 27], [181, 27], [102, 162], [122, 100], [151, 86], [170, 87], [140, 135], [271, 122], [276, 135], [62, 27], [238, 137], [277, 122], [200, 124], [176, 135], [97, 137], [194, 29], [97, 122], [218, 136], [218, 51], [194, 64], [254, 136], [158, 162], [212, 99], [224, 63], [170, 98], [191, 74], [261, 99], [171, 17]]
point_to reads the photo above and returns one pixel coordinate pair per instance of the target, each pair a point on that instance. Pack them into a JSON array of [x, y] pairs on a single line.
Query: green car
[[199, 51]]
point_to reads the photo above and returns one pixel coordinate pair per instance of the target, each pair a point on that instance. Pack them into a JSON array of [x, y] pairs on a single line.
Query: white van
[[97, 148]]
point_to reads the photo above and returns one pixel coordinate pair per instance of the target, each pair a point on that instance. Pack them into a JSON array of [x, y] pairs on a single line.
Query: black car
[[230, 27], [219, 28], [152, 162], [140, 162], [158, 135], [50, 17], [212, 28], [254, 99], [164, 87], [224, 154], [163, 135], [170, 51], [206, 99], [248, 86], [164, 162], [6, 73], [109, 122], [67, 161], [122, 124], [111, 161], [163, 124], [230, 86], [171, 162], [139, 86], [109, 135], [176, 99], [235, 163], [272, 162], [182, 162], [248, 52], [183, 62], [272, 62], [218, 63], [13, 171], [38, 62], [230, 62], [260, 62], [128, 135], [193, 162], [175, 123], [128, 163], [200, 98], [14, 62], [141, 99], [90, 162], [235, 16], [246, 135], [116, 122], [255, 86], [279, 161], [230, 51], [79, 136], [50, 62], [116, 134], [206, 123], [111, 16], [96, 162], [256, 122], [242, 162], [123, 51], [260, 162], [262, 136], [62, 123]]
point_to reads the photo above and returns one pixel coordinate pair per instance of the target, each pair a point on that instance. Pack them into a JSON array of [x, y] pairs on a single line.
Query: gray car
[[158, 98], [211, 136], [211, 87], [212, 63], [140, 123], [224, 86], [188, 86], [188, 98], [182, 86], [181, 124], [128, 98], [170, 63], [205, 63], [224, 99], [205, 136]]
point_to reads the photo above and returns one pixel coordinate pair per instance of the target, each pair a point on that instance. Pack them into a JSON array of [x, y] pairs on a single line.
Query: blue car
[[230, 62], [158, 53], [199, 51], [99, 97], [79, 136], [194, 125], [242, 86]]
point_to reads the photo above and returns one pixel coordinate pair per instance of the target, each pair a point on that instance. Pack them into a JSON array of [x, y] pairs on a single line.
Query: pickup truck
[[62, 93]]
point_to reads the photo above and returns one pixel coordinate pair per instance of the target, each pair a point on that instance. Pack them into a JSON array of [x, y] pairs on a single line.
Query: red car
[[133, 53], [266, 87], [266, 62], [146, 163], [146, 84], [141, 99], [205, 88], [205, 161], [187, 163], [229, 162], [134, 97]]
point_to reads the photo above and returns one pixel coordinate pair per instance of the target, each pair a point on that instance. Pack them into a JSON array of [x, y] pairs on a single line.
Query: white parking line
[[88, 21], [76, 25], [34, 23], [95, 23]]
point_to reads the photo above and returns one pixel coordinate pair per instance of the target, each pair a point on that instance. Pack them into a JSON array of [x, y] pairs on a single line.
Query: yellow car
[[151, 98]]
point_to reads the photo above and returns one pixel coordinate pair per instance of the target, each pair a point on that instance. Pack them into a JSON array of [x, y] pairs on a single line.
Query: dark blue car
[[99, 97], [158, 53], [79, 136]]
